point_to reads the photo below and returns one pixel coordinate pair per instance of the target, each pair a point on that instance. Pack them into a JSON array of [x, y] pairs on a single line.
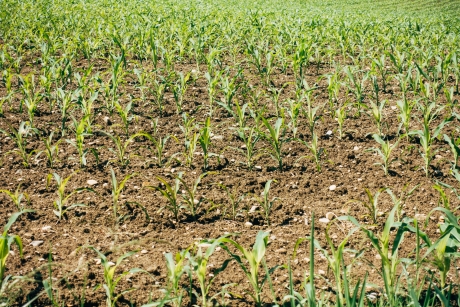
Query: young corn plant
[[19, 136], [61, 202], [179, 89], [65, 104], [276, 139], [334, 260], [250, 138], [234, 200], [356, 83], [111, 280], [120, 147], [310, 113], [171, 195], [213, 82], [384, 152], [454, 149], [405, 110], [250, 262], [315, 151], [371, 203], [176, 266], [204, 140], [264, 201], [6, 240], [388, 252], [341, 116], [81, 131], [17, 198], [125, 115], [377, 115], [32, 96], [192, 202], [294, 111], [117, 188], [199, 265], [51, 150], [159, 145], [426, 141]]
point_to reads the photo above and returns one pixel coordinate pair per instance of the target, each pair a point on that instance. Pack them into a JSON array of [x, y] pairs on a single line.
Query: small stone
[[420, 217], [356, 148], [393, 107], [248, 224], [321, 272], [258, 167], [329, 132], [324, 220], [105, 185], [272, 237], [97, 261], [377, 256], [36, 243], [332, 187], [253, 209], [91, 182], [107, 121], [330, 215], [110, 263], [46, 228], [281, 251]]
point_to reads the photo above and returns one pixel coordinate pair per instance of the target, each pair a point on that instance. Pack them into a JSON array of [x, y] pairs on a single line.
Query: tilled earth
[[299, 191]]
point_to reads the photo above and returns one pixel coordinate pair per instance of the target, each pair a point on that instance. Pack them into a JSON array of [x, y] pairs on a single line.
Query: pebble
[[332, 187], [329, 132], [248, 224], [107, 120], [420, 217], [46, 228], [324, 220], [321, 272], [281, 251], [253, 209], [144, 251], [330, 215], [36, 243], [356, 148], [91, 182], [258, 167], [110, 263]]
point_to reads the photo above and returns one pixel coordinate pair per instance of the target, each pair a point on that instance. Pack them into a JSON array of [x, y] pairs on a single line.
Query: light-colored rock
[[332, 187], [253, 209], [330, 215], [36, 243], [248, 224], [324, 220], [91, 182]]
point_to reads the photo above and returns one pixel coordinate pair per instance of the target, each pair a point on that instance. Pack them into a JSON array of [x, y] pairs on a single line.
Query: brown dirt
[[300, 190]]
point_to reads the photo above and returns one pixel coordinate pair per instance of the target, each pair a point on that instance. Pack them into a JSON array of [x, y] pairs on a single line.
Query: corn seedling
[[250, 138], [405, 110], [159, 145], [377, 114], [120, 147], [276, 139], [204, 140], [176, 266], [192, 202], [17, 198], [111, 280], [454, 149], [61, 203], [264, 201], [426, 141], [388, 252], [234, 200], [199, 266], [315, 151], [384, 152], [81, 131], [179, 89], [117, 188], [294, 111], [171, 194], [371, 203], [341, 116], [51, 150], [6, 240], [65, 104], [124, 114], [250, 262], [19, 136]]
